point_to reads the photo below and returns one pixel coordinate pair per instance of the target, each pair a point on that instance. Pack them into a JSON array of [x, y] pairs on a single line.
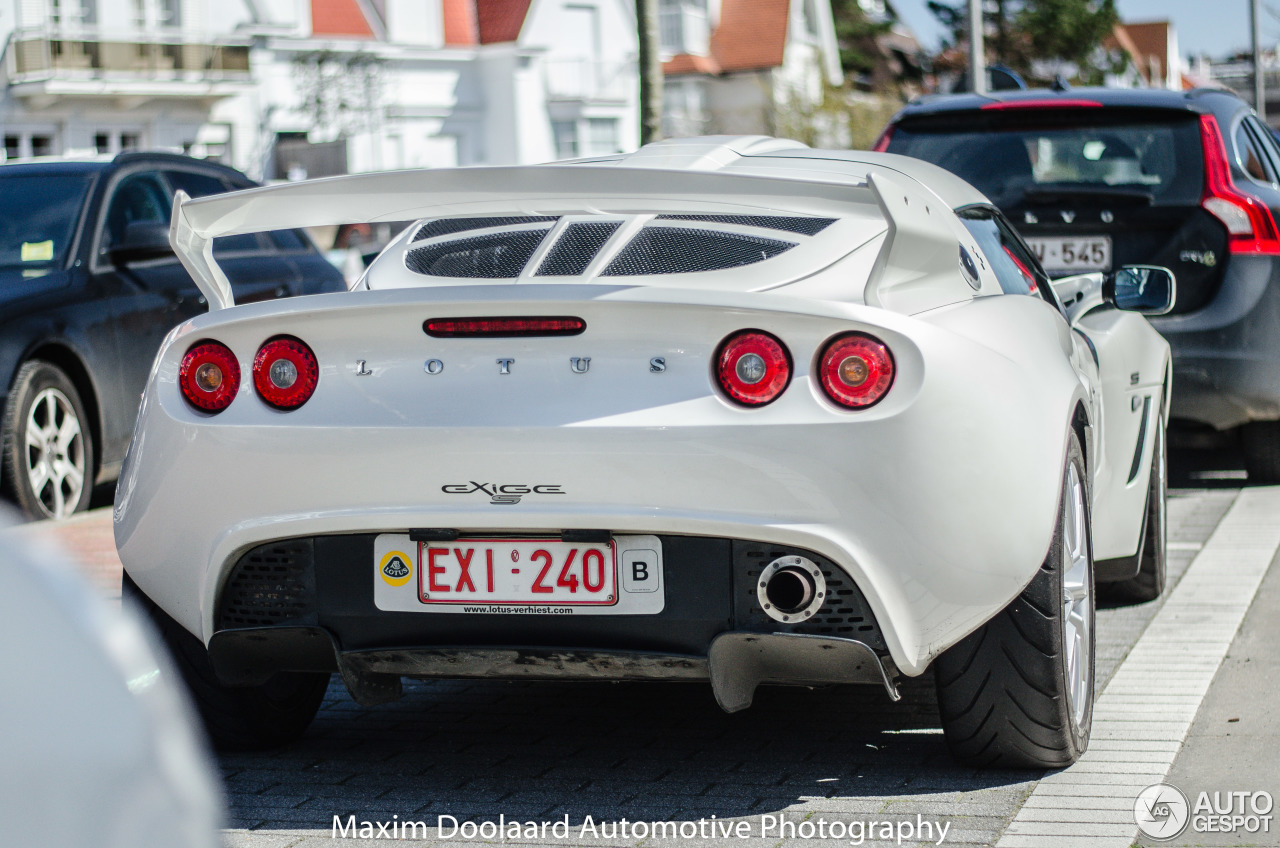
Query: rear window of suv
[[1020, 155]]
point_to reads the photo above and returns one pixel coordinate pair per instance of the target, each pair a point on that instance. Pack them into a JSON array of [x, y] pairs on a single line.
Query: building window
[[155, 14], [23, 145], [71, 13], [602, 136], [566, 139], [111, 142], [683, 27]]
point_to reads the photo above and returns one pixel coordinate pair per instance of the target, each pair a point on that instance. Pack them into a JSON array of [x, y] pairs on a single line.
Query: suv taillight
[[1250, 224]]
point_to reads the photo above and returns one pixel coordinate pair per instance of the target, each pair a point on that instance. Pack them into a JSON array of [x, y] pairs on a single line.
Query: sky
[[1215, 27]]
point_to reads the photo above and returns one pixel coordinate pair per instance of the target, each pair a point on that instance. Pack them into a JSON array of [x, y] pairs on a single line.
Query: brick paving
[[479, 750]]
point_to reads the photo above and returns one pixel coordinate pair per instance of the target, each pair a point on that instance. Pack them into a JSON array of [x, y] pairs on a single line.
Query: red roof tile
[[500, 20], [339, 17], [460, 23], [752, 34]]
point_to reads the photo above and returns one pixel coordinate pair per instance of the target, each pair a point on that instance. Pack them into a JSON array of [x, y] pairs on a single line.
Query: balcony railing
[[35, 55], [586, 79]]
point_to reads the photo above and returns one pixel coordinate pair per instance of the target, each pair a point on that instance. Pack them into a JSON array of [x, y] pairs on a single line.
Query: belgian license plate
[[519, 575], [1075, 255]]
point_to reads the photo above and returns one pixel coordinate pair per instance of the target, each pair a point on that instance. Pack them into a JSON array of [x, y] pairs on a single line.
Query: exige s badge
[[503, 494]]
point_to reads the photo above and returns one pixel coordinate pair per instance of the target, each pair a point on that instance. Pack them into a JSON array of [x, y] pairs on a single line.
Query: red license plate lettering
[[517, 571]]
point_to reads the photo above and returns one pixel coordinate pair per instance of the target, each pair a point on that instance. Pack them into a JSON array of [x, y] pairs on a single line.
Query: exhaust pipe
[[791, 589]]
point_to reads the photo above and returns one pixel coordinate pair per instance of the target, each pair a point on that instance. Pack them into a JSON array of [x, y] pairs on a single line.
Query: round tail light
[[856, 370], [209, 376], [753, 367], [285, 372]]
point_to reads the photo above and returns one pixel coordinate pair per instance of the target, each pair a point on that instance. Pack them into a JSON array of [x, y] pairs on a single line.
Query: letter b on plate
[[639, 571]]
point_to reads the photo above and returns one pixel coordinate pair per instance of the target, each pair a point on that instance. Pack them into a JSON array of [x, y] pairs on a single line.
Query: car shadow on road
[[657, 751]]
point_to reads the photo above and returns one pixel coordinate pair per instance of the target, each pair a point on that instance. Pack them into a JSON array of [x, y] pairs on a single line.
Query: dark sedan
[[89, 286], [1099, 178]]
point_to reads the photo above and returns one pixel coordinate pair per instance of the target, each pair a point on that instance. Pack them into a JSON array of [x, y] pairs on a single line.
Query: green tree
[[856, 35], [1040, 38]]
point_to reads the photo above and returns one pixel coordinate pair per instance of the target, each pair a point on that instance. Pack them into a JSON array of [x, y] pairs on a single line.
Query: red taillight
[[209, 376], [856, 370], [753, 367], [285, 372], [460, 328], [882, 143], [1044, 103], [1250, 225]]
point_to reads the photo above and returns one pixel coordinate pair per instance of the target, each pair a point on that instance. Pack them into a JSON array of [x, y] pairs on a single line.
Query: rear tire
[[1018, 692], [47, 449], [250, 718], [1261, 442], [1149, 582]]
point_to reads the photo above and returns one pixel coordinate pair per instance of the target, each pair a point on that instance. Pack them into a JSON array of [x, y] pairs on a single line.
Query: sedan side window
[[139, 197]]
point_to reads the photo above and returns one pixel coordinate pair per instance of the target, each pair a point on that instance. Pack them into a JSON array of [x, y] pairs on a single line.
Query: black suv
[[1099, 178], [89, 286]]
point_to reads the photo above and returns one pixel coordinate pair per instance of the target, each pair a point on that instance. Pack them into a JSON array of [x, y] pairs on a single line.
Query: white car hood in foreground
[[99, 747]]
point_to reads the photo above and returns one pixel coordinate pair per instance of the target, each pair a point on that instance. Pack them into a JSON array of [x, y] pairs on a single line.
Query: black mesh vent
[[845, 614], [272, 584], [501, 255], [575, 249], [792, 224], [445, 226], [672, 250]]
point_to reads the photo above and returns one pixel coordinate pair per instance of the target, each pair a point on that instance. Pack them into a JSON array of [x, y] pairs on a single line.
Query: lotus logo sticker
[[395, 568]]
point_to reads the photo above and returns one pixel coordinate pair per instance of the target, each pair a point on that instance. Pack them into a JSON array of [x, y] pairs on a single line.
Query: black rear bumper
[[307, 605]]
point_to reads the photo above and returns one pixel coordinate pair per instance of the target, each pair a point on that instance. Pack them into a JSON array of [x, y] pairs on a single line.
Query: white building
[[317, 87], [85, 76], [745, 66]]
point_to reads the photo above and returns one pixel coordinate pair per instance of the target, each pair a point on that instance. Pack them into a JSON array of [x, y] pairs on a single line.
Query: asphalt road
[[602, 753]]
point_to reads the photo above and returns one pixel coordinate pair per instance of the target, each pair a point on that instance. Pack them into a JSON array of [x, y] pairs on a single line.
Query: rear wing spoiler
[[560, 190]]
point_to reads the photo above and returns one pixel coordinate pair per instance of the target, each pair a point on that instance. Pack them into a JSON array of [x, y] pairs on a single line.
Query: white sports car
[[726, 409]]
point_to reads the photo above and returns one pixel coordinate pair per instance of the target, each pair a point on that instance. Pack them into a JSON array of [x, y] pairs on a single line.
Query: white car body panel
[[939, 502]]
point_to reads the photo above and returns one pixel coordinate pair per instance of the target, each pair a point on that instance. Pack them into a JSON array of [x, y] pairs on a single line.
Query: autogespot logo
[[1161, 811]]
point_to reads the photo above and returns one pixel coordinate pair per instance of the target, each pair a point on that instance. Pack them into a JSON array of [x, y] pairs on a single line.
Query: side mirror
[[1148, 289], [142, 240]]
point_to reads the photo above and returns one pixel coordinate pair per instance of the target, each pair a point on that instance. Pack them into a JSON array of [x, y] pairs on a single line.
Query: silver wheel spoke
[[1077, 595], [67, 432], [36, 438], [38, 477], [59, 502]]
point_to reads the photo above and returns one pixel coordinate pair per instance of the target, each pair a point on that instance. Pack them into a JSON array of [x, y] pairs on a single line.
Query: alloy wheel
[[55, 455]]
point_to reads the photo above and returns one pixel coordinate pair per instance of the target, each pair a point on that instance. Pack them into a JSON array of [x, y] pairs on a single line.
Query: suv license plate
[[1077, 255]]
